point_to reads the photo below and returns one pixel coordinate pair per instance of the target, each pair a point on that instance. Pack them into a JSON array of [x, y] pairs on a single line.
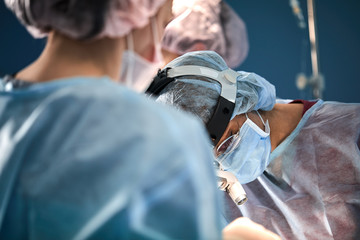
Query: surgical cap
[[84, 19], [211, 23], [193, 94]]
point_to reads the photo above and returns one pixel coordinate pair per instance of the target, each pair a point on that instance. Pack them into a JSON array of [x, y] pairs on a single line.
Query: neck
[[64, 57], [283, 119]]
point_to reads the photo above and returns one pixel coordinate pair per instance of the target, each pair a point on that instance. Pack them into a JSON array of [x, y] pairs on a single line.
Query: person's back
[[83, 156], [95, 161]]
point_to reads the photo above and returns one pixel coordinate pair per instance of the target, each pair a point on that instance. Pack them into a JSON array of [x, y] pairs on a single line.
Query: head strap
[[226, 103], [160, 81]]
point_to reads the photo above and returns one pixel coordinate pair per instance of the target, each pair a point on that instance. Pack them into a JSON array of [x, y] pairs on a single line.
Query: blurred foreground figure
[[299, 162], [84, 157], [206, 25]]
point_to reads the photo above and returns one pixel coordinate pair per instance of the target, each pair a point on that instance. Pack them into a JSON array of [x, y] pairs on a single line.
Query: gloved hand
[[244, 229]]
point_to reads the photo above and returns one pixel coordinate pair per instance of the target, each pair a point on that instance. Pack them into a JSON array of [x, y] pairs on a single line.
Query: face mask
[[136, 71], [248, 155]]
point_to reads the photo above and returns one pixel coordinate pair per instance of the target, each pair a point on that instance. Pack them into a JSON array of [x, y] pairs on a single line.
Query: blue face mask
[[248, 154]]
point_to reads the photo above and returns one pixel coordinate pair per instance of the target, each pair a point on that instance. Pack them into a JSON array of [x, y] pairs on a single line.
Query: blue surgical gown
[[311, 189], [85, 158]]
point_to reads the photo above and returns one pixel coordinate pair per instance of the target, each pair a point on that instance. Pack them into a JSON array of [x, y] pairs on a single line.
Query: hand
[[244, 229]]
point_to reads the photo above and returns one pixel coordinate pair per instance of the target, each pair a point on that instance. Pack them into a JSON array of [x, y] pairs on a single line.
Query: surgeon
[[205, 25], [82, 156], [299, 161]]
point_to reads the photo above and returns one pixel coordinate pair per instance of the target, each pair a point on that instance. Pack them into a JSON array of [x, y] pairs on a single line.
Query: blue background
[[279, 49]]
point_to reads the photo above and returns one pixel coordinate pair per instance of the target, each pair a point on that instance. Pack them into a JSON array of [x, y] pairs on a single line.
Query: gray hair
[[196, 98], [197, 95]]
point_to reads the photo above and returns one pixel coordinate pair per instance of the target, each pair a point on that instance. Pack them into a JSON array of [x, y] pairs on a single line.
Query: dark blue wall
[[17, 47], [279, 50]]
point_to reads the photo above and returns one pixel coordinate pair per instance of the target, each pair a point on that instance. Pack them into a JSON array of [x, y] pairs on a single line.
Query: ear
[[199, 47]]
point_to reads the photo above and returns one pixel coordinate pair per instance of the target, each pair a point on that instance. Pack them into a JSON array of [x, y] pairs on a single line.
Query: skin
[[283, 119], [245, 229], [169, 56], [64, 57], [145, 48]]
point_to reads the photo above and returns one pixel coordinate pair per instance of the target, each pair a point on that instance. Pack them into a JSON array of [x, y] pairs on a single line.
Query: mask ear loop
[[156, 38], [246, 116], [260, 117], [267, 128], [130, 46]]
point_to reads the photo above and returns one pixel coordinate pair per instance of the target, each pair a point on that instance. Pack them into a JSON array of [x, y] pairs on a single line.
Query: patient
[[300, 162]]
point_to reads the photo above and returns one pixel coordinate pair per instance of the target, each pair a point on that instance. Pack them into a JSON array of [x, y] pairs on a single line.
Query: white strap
[[226, 78], [260, 117]]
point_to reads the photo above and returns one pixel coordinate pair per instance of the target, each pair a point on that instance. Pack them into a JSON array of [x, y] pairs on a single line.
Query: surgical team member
[[205, 25], [300, 162], [84, 157]]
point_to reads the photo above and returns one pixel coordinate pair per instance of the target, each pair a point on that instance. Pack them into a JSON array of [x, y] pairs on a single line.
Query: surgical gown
[[87, 158], [311, 189]]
